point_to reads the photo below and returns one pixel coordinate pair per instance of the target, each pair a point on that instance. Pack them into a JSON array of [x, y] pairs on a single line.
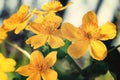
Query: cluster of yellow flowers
[[45, 27]]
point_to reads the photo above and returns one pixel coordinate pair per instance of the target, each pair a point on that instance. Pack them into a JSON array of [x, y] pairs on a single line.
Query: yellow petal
[[3, 76], [54, 6], [68, 4], [55, 41], [52, 18], [24, 23], [36, 57], [24, 70], [58, 33], [6, 64], [78, 49], [71, 32], [107, 31], [37, 40], [98, 50], [90, 17], [23, 11], [3, 35], [9, 26], [39, 19], [51, 58], [12, 22], [34, 76], [49, 75], [20, 27], [35, 27]]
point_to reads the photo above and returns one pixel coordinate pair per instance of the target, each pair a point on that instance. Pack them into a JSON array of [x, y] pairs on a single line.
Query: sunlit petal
[[71, 32], [14, 20], [37, 40], [8, 65], [51, 58], [54, 6], [34, 76], [24, 23], [98, 50], [90, 17], [55, 41], [49, 75], [20, 27], [3, 76], [68, 4], [36, 57], [3, 35], [58, 33], [107, 31], [78, 49], [24, 70]]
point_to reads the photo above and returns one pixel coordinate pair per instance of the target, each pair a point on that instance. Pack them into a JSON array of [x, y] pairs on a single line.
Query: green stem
[[74, 62], [20, 49]]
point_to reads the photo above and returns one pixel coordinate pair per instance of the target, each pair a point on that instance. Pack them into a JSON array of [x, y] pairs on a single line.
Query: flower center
[[89, 36]]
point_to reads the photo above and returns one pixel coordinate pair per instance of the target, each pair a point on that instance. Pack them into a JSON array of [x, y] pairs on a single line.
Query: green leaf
[[107, 76]]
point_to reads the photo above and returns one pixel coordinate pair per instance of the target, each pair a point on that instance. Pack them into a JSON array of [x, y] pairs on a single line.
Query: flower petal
[[24, 23], [24, 70], [107, 31], [20, 27], [3, 35], [90, 17], [36, 57], [49, 75], [68, 4], [58, 33], [37, 40], [71, 32], [55, 41], [34, 76], [98, 50], [7, 64], [3, 76], [36, 26], [12, 22], [51, 58], [78, 49]]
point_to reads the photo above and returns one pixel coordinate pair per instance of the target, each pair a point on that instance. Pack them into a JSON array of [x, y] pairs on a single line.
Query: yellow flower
[[89, 34], [39, 67], [3, 34], [54, 6], [19, 20], [46, 29], [6, 65]]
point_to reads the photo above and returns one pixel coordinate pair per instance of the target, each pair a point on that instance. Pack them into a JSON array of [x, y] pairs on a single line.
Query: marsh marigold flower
[[54, 6], [89, 34], [3, 34], [19, 20], [6, 65], [46, 29], [39, 67]]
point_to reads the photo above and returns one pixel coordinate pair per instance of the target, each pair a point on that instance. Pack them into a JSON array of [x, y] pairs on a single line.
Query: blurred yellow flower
[[46, 29], [6, 65], [54, 6], [39, 67], [19, 20], [89, 34], [3, 34]]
